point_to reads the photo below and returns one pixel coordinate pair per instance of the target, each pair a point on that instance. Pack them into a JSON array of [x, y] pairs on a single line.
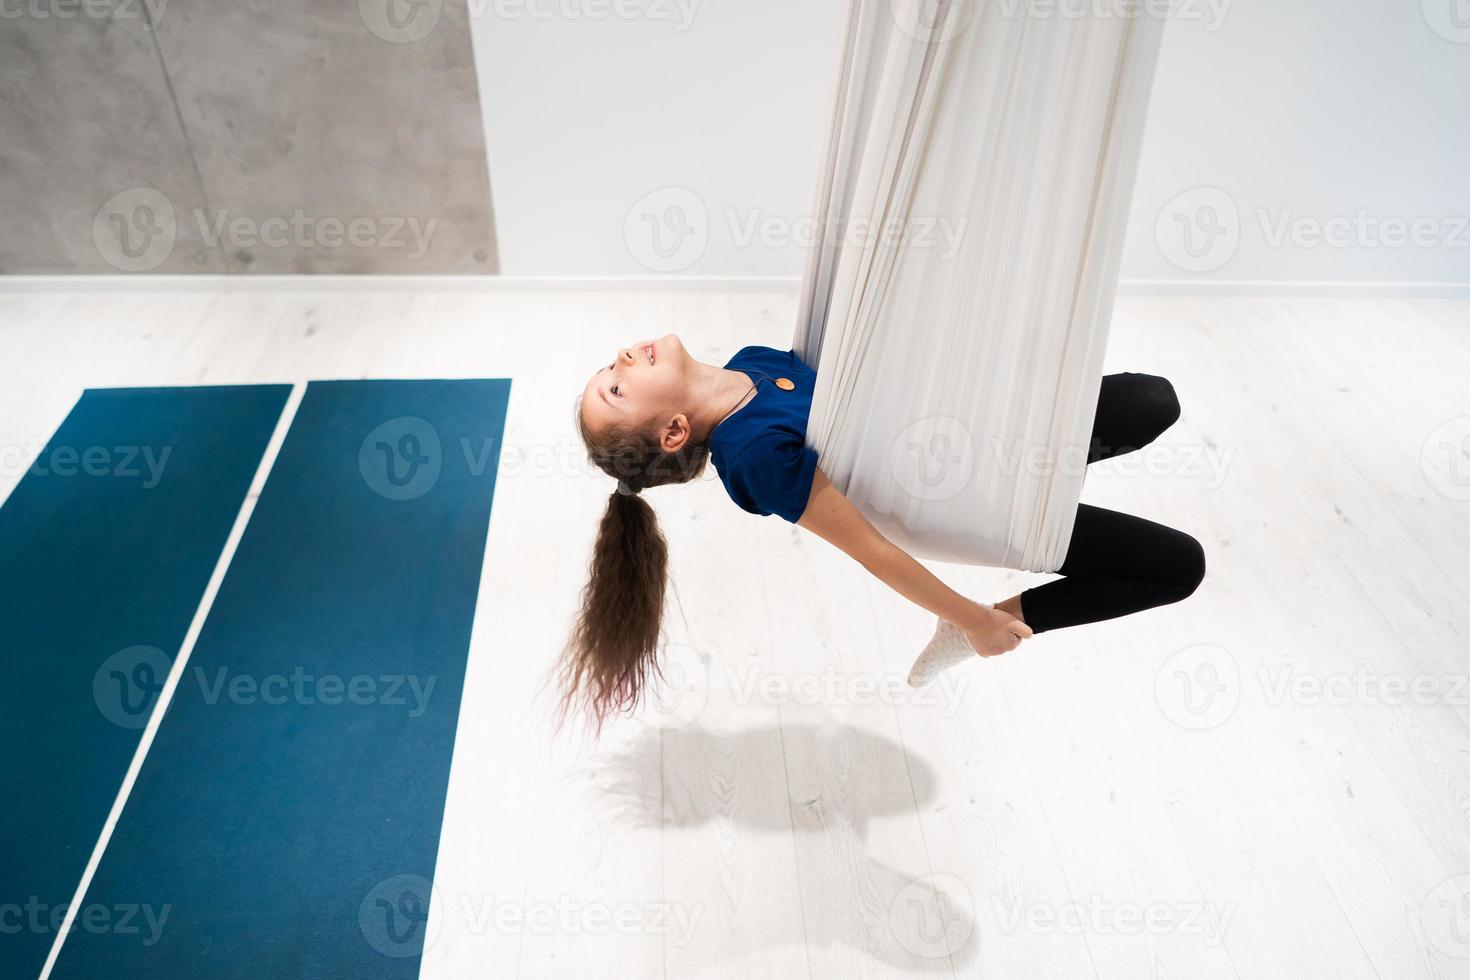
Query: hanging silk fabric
[[972, 205]]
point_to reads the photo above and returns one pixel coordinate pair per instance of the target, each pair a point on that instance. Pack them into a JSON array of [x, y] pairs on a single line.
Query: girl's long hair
[[611, 653]]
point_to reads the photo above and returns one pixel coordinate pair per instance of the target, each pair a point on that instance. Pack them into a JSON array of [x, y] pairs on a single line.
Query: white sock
[[947, 649]]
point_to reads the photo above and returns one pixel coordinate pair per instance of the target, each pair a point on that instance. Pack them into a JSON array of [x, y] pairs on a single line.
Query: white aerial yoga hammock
[[957, 383]]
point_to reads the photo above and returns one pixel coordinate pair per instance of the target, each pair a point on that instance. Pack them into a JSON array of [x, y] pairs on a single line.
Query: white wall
[[1305, 113], [586, 116], [1296, 116]]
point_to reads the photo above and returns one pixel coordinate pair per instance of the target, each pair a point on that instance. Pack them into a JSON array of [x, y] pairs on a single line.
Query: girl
[[656, 416]]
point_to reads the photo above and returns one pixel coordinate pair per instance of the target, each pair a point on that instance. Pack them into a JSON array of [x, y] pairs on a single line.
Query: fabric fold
[[972, 204]]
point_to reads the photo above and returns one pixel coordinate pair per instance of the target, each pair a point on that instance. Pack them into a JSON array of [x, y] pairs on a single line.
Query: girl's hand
[[992, 632]]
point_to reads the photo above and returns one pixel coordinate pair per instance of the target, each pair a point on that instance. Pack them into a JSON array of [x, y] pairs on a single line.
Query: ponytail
[[612, 648], [612, 651]]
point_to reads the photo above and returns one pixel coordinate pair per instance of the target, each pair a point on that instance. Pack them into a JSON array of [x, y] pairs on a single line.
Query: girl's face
[[646, 385]]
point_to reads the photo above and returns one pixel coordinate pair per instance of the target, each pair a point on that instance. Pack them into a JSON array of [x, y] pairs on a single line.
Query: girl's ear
[[676, 434]]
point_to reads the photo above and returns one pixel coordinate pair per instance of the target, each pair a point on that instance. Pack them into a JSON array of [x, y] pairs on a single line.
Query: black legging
[[1117, 563]]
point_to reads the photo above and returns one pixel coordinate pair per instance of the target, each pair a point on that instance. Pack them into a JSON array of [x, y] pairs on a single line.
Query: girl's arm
[[831, 516]]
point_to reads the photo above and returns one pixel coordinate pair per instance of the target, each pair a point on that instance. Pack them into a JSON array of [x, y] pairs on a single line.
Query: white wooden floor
[[1271, 779]]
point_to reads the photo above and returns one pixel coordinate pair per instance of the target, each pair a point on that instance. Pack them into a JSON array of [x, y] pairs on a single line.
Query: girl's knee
[[1188, 566], [1163, 402], [1148, 402]]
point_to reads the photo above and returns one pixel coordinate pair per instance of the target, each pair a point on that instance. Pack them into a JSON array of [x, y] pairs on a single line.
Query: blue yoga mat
[[106, 547], [286, 820]]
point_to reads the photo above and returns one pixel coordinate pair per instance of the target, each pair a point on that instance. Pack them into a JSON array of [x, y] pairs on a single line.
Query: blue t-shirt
[[760, 452]]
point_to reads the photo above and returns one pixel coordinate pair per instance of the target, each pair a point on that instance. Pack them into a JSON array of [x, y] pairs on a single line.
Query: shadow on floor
[[826, 784]]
